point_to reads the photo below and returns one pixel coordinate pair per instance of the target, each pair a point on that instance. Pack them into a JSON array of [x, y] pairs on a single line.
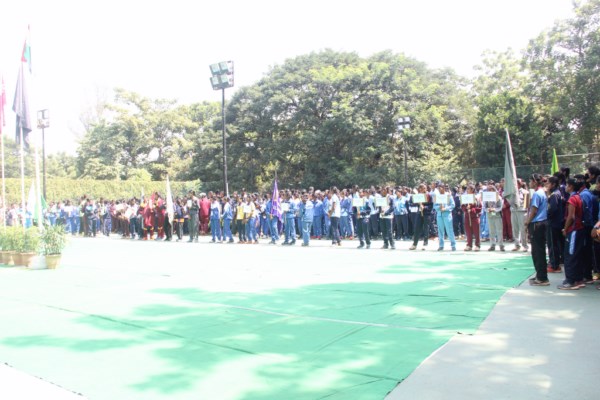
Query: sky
[[82, 50]]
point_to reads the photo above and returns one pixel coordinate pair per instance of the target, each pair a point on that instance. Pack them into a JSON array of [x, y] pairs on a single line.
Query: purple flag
[[275, 203]]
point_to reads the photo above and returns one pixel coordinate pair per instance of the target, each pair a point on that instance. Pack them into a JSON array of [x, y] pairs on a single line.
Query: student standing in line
[[444, 217], [537, 223], [472, 213], [362, 221], [306, 218], [556, 221], [574, 232], [421, 220], [494, 215]]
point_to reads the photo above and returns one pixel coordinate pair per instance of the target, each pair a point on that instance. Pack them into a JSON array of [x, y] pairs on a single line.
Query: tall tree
[[564, 63]]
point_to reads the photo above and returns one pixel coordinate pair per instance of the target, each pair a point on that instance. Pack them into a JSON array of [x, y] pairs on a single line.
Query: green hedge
[[63, 189]]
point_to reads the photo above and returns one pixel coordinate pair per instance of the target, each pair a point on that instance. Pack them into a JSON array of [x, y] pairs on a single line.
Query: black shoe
[[361, 246], [385, 247]]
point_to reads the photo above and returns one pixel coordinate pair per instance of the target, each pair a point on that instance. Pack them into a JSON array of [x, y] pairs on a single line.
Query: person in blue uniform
[[306, 218], [362, 222], [443, 211], [318, 216], [290, 223]]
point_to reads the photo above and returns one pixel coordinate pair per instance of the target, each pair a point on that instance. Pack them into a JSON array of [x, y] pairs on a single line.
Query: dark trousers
[[421, 228], [458, 224], [335, 229], [241, 228], [401, 226], [193, 226], [388, 237], [587, 255], [179, 228], [374, 224], [574, 246], [556, 247], [167, 228], [537, 234], [363, 230]]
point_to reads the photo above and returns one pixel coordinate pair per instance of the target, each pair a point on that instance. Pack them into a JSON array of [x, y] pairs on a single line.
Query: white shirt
[[335, 203]]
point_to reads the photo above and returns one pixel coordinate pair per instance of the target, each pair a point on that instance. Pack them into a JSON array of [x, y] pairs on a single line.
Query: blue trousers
[[274, 229], [227, 230], [215, 228], [327, 226], [346, 226], [318, 226], [264, 226], [484, 227], [251, 229], [290, 230], [306, 226], [444, 222]]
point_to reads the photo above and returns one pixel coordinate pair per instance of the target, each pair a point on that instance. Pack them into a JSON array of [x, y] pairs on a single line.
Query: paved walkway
[[537, 343], [17, 385]]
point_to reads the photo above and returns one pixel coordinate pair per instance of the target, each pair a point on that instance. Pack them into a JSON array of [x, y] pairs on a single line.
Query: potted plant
[[3, 248], [13, 243], [27, 248], [53, 241]]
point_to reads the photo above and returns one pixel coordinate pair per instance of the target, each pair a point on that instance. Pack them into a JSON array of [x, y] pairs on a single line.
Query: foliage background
[[329, 118]]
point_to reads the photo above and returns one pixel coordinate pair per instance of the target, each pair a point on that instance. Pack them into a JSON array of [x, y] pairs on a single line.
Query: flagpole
[[38, 195], [22, 151]]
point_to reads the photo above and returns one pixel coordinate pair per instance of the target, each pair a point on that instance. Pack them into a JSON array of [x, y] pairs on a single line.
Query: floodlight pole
[[224, 144]]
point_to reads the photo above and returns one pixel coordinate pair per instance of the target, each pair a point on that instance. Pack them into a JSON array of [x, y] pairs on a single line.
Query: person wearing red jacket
[[472, 213], [148, 217], [160, 210], [204, 213]]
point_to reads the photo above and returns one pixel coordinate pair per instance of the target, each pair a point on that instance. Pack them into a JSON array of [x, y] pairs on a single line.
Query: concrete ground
[[537, 343]]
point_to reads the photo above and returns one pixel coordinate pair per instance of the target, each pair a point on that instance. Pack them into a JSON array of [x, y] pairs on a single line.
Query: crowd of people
[[556, 216]]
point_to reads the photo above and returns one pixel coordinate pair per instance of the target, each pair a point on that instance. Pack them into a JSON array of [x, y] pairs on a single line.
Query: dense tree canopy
[[331, 118]]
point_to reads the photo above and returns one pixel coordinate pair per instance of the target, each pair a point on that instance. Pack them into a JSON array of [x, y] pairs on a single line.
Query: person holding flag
[[274, 213]]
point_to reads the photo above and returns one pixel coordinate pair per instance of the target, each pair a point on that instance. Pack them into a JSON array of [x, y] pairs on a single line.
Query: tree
[[503, 104], [564, 63]]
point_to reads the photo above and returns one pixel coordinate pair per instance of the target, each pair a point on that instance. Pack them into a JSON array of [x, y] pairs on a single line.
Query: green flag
[[554, 168]]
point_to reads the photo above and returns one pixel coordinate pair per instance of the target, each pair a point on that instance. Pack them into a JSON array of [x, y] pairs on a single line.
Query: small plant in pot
[[10, 242], [27, 246], [53, 241]]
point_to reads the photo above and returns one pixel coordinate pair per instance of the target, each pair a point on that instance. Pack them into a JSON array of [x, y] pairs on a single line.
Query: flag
[[33, 201], [554, 168], [275, 204], [21, 102], [2, 104], [510, 175], [170, 206]]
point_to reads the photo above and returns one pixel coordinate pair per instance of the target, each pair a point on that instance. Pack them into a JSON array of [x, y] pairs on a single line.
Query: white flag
[[170, 207]]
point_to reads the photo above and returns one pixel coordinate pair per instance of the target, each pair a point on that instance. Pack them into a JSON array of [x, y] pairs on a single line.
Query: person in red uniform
[[204, 213], [148, 217], [472, 213], [159, 209]]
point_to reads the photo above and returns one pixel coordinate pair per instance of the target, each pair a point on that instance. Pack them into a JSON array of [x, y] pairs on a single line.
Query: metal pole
[[22, 151], [405, 163], [224, 145], [44, 161]]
